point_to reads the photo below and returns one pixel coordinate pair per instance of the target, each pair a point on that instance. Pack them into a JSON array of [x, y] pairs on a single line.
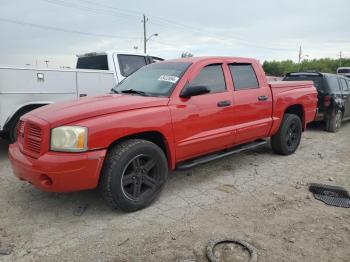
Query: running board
[[207, 158]]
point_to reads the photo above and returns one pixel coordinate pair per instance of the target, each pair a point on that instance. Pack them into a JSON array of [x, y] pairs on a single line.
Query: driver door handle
[[224, 103], [263, 98]]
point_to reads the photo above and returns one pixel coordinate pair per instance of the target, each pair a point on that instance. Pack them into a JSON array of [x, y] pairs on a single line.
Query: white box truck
[[25, 89]]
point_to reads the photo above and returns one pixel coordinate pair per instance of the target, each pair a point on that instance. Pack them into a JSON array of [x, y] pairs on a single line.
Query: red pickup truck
[[169, 115]]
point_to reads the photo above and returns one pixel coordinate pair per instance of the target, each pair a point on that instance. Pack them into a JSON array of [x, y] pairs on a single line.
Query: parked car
[[333, 96], [174, 114], [25, 89], [344, 71]]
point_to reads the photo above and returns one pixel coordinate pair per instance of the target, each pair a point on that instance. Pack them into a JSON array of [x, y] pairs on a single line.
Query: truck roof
[[213, 58], [310, 73], [110, 52]]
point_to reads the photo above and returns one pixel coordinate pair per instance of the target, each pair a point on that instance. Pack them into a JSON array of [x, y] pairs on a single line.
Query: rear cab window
[[130, 63], [344, 71], [243, 76], [96, 62], [212, 77]]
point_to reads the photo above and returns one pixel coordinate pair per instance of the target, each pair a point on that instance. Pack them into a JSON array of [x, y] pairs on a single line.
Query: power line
[[164, 23], [89, 9], [63, 29], [108, 7]]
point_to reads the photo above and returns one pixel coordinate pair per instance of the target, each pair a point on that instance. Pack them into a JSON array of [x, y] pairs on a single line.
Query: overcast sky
[[57, 30]]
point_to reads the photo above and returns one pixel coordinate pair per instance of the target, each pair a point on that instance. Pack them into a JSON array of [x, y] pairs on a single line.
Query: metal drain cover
[[331, 195]]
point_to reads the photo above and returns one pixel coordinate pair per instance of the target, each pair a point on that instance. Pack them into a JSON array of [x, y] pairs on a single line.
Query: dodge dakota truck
[[25, 89], [169, 115]]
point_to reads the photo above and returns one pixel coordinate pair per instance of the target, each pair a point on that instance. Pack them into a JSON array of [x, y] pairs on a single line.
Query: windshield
[[156, 79]]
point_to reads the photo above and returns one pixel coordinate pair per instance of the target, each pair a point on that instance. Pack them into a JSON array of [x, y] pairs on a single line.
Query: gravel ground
[[256, 196]]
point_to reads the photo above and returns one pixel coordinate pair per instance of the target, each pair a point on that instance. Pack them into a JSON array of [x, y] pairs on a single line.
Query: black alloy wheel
[[286, 141], [141, 176], [293, 136], [133, 174]]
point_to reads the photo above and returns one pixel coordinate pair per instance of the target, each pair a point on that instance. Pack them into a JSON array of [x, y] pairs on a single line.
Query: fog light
[[45, 180]]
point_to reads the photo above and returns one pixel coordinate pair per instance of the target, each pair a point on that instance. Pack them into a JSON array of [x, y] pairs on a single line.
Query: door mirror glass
[[196, 90]]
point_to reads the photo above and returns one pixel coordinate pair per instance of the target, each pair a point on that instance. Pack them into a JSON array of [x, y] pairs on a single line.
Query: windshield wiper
[[133, 91], [114, 91]]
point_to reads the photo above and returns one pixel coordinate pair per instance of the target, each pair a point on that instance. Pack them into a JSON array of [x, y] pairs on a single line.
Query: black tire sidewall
[[332, 122], [116, 173], [279, 142], [12, 131]]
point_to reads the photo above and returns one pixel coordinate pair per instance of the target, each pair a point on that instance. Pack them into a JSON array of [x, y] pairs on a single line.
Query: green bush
[[325, 65]]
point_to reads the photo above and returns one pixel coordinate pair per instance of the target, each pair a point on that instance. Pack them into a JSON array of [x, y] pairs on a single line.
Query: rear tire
[[133, 175], [333, 123], [288, 137]]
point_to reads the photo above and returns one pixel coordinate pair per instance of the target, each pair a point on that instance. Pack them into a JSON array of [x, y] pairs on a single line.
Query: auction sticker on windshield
[[166, 78]]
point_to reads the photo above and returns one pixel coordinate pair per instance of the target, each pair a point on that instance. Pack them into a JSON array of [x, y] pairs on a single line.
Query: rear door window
[[333, 83], [344, 84], [243, 76], [130, 63], [212, 77]]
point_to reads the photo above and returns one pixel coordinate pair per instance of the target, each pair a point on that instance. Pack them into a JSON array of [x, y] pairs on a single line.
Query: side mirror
[[189, 91]]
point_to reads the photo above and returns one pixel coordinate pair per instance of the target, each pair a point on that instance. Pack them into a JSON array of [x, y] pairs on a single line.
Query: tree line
[[325, 65]]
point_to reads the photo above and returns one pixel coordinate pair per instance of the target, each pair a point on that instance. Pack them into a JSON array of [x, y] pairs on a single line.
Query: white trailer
[[25, 89]]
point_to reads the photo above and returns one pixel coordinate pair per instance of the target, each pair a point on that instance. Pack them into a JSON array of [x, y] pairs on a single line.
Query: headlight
[[69, 139]]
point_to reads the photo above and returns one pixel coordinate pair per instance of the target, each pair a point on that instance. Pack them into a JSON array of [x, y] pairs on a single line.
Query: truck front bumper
[[58, 172]]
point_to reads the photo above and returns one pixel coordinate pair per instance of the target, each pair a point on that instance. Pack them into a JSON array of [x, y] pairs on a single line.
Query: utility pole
[[144, 21], [340, 58], [299, 56]]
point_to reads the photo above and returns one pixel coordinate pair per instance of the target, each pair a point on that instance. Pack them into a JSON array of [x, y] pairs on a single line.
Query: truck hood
[[68, 112]]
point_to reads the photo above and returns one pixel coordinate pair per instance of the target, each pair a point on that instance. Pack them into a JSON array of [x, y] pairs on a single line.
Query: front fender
[[107, 129]]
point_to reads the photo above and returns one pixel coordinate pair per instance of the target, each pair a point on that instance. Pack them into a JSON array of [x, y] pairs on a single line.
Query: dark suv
[[333, 96]]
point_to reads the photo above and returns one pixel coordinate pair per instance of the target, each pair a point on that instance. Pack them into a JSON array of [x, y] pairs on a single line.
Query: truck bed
[[288, 92]]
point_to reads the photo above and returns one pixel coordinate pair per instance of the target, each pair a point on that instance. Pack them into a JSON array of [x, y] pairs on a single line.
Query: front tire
[[288, 137], [133, 175]]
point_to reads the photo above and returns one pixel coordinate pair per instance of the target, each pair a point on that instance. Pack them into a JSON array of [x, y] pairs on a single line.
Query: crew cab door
[[252, 103], [203, 123], [346, 96]]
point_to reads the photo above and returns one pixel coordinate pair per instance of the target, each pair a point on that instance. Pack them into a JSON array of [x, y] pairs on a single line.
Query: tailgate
[[290, 85]]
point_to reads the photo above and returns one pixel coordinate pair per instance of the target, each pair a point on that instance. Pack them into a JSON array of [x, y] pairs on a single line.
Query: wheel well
[[296, 110], [152, 136], [23, 110]]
